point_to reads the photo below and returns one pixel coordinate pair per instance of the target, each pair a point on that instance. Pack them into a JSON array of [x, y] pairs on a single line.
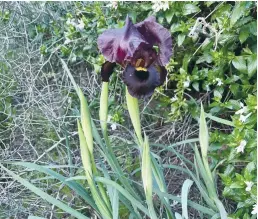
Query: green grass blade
[[216, 216], [203, 135], [45, 196], [76, 178], [108, 154], [192, 204], [73, 185], [219, 120], [125, 193], [209, 184], [184, 196], [222, 211], [160, 180], [115, 204], [35, 217], [204, 143], [147, 177], [70, 75], [178, 216]]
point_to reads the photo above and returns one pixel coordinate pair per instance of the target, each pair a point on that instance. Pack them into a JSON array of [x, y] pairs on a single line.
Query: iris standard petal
[[156, 34], [106, 70], [119, 45], [141, 83]]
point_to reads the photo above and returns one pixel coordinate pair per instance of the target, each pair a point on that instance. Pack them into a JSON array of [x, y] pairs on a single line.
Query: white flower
[[174, 203], [113, 4], [109, 118], [71, 22], [207, 87], [243, 109], [113, 127], [80, 26], [241, 146], [160, 5], [187, 82], [173, 99], [219, 81], [248, 186], [255, 209], [243, 118], [67, 41]]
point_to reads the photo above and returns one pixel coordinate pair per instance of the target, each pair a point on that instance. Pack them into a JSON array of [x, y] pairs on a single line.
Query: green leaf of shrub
[[190, 9], [237, 12], [239, 63]]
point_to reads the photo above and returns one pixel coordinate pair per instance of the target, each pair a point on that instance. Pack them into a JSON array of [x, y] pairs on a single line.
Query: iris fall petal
[[141, 83]]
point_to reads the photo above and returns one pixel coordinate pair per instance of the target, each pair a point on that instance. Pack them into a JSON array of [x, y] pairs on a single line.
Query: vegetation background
[[214, 62]]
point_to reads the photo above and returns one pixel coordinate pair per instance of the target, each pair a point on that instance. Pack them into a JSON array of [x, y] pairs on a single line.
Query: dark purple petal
[[106, 70], [163, 74], [141, 83], [118, 45], [156, 34]]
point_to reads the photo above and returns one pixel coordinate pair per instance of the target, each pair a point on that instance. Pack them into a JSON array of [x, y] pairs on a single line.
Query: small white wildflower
[[109, 118], [113, 127], [255, 209], [173, 99], [243, 118], [248, 186], [207, 87], [219, 81], [67, 41], [174, 203], [243, 109], [241, 146], [113, 4], [160, 5], [81, 25], [187, 82], [71, 22]]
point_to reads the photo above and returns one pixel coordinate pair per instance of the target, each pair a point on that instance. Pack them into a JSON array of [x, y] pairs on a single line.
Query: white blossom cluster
[[243, 113], [160, 5]]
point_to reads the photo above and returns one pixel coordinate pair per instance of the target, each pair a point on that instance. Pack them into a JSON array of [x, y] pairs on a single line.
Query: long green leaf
[[219, 120], [190, 203], [70, 76], [147, 177], [73, 185], [35, 217], [203, 135], [184, 196], [44, 195], [125, 193], [222, 211]]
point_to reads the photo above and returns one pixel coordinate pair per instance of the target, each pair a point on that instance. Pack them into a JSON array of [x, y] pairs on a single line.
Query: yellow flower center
[[137, 65], [141, 69]]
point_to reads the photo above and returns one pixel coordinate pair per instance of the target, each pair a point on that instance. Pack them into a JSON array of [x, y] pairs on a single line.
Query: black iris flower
[[133, 47]]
